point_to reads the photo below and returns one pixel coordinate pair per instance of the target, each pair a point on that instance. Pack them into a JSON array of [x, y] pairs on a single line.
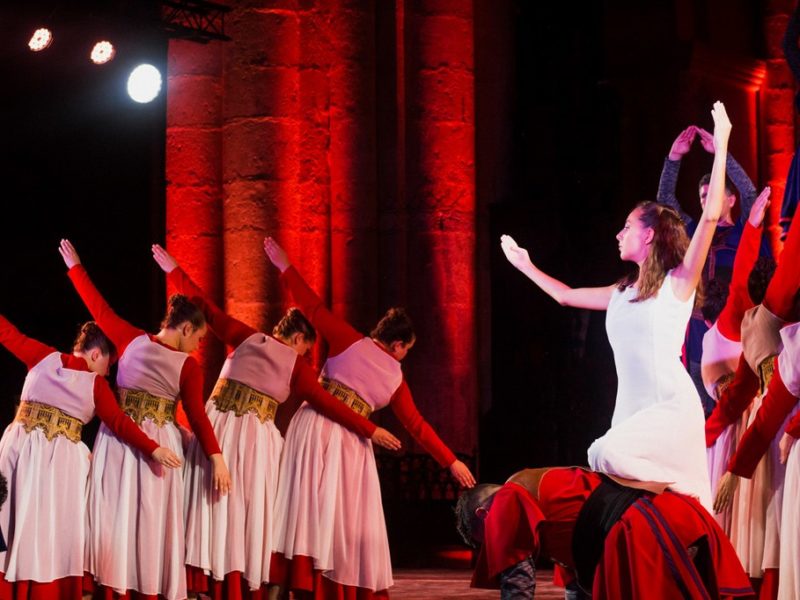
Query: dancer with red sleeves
[[610, 538], [230, 539], [47, 464], [331, 538], [136, 524]]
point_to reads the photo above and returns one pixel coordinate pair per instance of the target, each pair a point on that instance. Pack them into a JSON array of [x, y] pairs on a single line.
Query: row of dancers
[[241, 512]]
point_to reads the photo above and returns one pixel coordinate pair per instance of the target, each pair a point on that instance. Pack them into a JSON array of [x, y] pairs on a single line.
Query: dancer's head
[[187, 320], [395, 333], [471, 510], [655, 239], [730, 196], [92, 345], [759, 278], [296, 331], [716, 295]]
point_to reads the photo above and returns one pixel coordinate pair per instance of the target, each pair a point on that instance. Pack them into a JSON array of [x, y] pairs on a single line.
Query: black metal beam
[[194, 20]]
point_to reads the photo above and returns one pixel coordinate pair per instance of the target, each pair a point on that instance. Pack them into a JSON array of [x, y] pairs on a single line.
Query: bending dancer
[[657, 428], [229, 539], [331, 535], [42, 455], [611, 538], [135, 511]]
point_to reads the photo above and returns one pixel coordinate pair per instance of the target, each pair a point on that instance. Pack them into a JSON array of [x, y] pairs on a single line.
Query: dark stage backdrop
[[387, 144]]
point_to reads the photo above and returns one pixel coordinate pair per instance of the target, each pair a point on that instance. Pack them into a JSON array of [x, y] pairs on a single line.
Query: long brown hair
[[666, 252]]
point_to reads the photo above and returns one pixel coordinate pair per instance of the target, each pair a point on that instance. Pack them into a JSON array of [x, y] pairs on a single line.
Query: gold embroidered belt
[[347, 395], [140, 405], [52, 421], [231, 395], [722, 384], [766, 369]]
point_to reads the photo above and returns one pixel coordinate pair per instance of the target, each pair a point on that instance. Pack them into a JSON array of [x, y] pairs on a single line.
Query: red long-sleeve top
[[32, 352], [793, 426], [303, 383], [340, 335], [733, 402], [123, 333], [775, 407], [729, 321]]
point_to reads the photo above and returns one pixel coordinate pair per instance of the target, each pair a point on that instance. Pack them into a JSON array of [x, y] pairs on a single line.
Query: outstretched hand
[[682, 143], [164, 259], [516, 256], [722, 124], [462, 474], [785, 446], [383, 438], [166, 457], [706, 140], [276, 254], [69, 254], [759, 210], [727, 486]]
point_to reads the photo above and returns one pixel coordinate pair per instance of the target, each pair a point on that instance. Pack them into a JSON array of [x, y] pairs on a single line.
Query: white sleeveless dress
[[658, 427]]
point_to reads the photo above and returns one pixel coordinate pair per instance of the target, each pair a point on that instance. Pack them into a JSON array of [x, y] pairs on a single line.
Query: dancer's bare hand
[[682, 143], [385, 439], [164, 259], [727, 486], [706, 140], [785, 446], [69, 254], [462, 474], [759, 210], [166, 458], [220, 475], [722, 124], [276, 254], [516, 256]]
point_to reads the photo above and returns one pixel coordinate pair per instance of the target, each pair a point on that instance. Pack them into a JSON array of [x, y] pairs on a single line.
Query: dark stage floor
[[440, 584]]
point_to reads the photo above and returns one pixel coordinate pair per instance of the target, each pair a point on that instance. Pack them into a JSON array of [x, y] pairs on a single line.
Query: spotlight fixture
[[41, 39], [102, 52], [144, 83]]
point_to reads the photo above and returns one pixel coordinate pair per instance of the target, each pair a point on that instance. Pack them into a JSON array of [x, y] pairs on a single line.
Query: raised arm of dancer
[[117, 329], [28, 350], [191, 386], [735, 172], [595, 298], [305, 385], [406, 411], [123, 427], [686, 276], [669, 173], [733, 402], [229, 330], [339, 334], [729, 322]]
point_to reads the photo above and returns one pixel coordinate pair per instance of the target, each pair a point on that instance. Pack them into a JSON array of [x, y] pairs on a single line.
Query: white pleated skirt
[[329, 503], [233, 532], [136, 527], [44, 516], [789, 581]]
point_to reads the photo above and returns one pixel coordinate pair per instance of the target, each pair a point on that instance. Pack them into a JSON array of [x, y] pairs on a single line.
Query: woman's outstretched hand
[[69, 254], [722, 124], [164, 259], [727, 486], [383, 438], [516, 256], [276, 254], [166, 457], [759, 210], [462, 474]]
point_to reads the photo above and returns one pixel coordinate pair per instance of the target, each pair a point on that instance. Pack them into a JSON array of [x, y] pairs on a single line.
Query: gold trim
[[140, 405], [766, 369], [347, 395], [230, 395], [52, 421], [723, 383]]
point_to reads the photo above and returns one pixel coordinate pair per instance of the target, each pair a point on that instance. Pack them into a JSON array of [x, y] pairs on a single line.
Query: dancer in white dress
[[657, 431]]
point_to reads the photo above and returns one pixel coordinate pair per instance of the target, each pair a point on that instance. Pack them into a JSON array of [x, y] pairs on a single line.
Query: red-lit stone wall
[[288, 145]]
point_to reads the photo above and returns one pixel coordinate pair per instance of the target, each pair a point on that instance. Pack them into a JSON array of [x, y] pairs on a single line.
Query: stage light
[[41, 39], [144, 83], [102, 52]]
